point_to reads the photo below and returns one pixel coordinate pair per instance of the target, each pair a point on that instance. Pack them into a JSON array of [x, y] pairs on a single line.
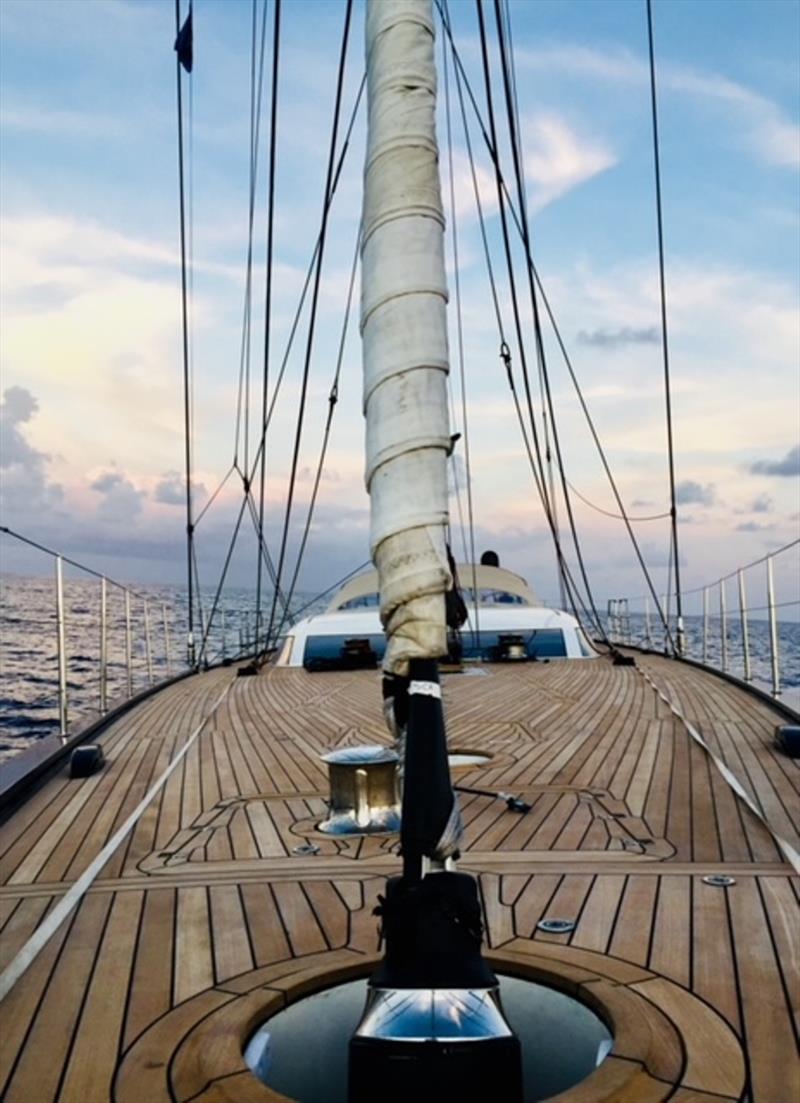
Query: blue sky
[[90, 350]]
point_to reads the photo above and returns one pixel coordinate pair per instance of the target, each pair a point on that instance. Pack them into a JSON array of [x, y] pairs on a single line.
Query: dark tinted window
[[366, 601], [339, 652], [541, 643]]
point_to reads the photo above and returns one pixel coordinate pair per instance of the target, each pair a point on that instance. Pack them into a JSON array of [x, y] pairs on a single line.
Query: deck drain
[[719, 880], [563, 1041], [305, 848], [556, 926]]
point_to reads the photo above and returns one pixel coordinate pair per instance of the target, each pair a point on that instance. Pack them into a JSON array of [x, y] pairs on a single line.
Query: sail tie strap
[[425, 689]]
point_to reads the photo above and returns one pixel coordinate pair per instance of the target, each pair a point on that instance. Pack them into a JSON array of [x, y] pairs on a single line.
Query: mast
[[404, 333], [431, 915]]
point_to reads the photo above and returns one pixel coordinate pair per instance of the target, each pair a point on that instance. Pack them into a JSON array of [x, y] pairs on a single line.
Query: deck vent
[[719, 880], [364, 798], [556, 926], [85, 761]]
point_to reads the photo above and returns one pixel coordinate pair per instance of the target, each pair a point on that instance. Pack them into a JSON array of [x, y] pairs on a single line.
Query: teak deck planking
[[204, 912]]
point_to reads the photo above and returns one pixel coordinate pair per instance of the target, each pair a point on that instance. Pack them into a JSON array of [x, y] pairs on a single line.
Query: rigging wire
[[247, 478], [664, 336], [242, 430], [307, 281], [268, 290], [505, 354], [518, 328], [461, 364], [335, 586], [539, 342], [541, 483], [185, 347], [616, 516], [516, 139], [333, 398], [462, 75], [214, 496], [223, 574], [313, 308]]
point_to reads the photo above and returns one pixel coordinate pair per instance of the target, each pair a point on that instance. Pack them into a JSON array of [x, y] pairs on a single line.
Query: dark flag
[[183, 43]]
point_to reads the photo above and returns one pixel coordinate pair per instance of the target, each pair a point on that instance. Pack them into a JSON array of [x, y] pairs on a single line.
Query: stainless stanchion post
[[128, 644], [147, 650], [167, 648], [723, 626], [62, 649], [705, 624], [103, 645], [745, 637], [773, 631]]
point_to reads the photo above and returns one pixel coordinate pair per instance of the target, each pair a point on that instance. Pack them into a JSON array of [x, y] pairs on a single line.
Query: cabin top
[[494, 586]]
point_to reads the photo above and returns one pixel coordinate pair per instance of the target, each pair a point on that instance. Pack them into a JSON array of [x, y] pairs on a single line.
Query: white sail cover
[[404, 332]]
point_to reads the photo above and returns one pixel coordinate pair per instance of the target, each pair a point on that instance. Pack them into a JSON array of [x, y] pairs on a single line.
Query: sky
[[91, 456]]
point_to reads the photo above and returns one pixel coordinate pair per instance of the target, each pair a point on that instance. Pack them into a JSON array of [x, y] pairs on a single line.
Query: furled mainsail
[[404, 332]]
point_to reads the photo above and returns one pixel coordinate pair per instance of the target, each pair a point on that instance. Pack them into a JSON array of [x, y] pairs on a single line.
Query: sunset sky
[[92, 443]]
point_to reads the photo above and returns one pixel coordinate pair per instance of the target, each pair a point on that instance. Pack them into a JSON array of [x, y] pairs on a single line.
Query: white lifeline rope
[[72, 898], [789, 851]]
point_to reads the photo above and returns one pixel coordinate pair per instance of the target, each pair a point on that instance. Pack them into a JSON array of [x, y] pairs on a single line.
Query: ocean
[[29, 658]]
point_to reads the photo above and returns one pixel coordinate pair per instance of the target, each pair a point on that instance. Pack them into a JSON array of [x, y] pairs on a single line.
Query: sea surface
[[29, 646], [29, 653]]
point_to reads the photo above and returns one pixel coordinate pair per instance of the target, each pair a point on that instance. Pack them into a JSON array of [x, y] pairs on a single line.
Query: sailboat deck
[[205, 919]]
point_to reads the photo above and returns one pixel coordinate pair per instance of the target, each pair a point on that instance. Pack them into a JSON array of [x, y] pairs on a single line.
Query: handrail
[[734, 573], [66, 559], [135, 647], [619, 618], [62, 656]]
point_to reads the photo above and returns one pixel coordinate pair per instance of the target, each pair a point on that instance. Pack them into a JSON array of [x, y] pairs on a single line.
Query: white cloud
[[120, 499], [756, 121], [25, 482], [558, 158]]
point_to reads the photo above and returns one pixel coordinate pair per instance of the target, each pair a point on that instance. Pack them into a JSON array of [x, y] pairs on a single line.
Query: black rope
[[664, 339], [313, 308], [268, 290], [185, 343]]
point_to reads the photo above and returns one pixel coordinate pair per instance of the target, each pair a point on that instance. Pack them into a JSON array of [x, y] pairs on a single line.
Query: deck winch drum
[[363, 791]]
